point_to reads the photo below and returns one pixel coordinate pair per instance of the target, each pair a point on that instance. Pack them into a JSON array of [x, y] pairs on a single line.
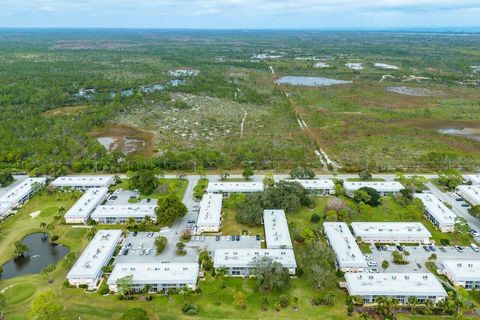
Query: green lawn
[[166, 186], [230, 226], [391, 211]]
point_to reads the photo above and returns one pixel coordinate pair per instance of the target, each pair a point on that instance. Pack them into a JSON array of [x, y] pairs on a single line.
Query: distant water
[[310, 81]]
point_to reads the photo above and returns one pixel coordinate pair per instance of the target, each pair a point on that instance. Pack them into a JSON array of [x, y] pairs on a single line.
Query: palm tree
[[220, 272], [147, 219], [264, 303], [43, 226], [20, 249], [365, 316], [131, 223], [124, 285], [412, 302], [61, 210], [428, 306]]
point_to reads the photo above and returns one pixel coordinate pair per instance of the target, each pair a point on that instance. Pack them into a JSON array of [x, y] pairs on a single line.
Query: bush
[[107, 269], [444, 242], [315, 218], [103, 290], [83, 286], [54, 238], [66, 284], [190, 309]]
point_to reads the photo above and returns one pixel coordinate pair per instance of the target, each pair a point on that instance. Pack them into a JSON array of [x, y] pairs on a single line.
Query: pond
[[413, 91], [41, 254], [310, 81]]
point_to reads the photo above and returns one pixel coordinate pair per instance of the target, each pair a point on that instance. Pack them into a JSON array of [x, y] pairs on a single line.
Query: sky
[[240, 14]]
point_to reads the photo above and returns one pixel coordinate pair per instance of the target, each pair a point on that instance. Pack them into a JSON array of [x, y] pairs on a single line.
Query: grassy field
[[230, 226], [166, 186]]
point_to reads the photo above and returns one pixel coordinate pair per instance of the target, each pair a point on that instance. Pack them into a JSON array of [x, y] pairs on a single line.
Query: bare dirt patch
[[65, 111], [125, 139]]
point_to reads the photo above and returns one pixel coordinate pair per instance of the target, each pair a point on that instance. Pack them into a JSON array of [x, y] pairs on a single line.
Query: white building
[[226, 188], [437, 212], [369, 286], [472, 178], [84, 182], [277, 234], [210, 214], [160, 276], [21, 192], [470, 193], [88, 268], [5, 209], [383, 187], [111, 214], [463, 273], [349, 256], [80, 212], [316, 186], [391, 232], [239, 262]]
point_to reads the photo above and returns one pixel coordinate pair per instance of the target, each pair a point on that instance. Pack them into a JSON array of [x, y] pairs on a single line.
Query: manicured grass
[[230, 226], [19, 292], [365, 248], [166, 186]]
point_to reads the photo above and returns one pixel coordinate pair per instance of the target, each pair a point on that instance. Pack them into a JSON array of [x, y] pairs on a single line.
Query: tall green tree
[[144, 181], [45, 307], [20, 248], [170, 208], [270, 274]]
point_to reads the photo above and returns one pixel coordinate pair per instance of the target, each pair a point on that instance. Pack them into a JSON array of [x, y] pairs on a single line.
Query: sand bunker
[[34, 214], [310, 81]]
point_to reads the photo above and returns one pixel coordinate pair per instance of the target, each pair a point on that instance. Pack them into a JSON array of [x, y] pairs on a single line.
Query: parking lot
[[142, 249], [211, 243], [419, 256], [126, 197]]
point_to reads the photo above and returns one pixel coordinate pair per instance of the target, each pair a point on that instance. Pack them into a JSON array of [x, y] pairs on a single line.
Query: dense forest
[[48, 119]]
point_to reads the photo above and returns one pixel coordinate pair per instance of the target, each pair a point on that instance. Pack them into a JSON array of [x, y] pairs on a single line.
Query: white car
[[372, 263], [374, 270], [474, 247], [140, 246], [388, 248], [368, 257]]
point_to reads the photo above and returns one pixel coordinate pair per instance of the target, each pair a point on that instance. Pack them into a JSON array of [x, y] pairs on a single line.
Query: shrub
[[103, 290], [135, 314], [190, 309], [83, 286], [54, 238], [445, 242], [315, 218]]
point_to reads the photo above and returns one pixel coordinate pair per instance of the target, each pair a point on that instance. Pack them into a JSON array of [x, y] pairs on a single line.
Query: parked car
[[458, 199], [426, 248], [442, 249], [374, 270], [459, 249], [197, 238], [147, 252], [125, 252], [140, 245], [217, 238], [202, 238], [378, 247], [372, 263], [135, 233], [399, 247], [474, 233], [432, 248], [384, 248], [474, 247], [257, 237], [233, 238], [140, 252], [237, 238], [465, 205], [191, 221], [368, 257]]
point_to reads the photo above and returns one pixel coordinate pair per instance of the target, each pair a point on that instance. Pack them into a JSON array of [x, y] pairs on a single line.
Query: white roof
[[150, 273], [437, 209], [96, 255], [473, 178], [19, 191], [210, 209], [344, 245], [463, 270], [392, 229], [84, 181], [380, 186], [244, 257], [5, 208], [87, 202], [125, 211], [235, 186], [276, 229], [394, 284], [314, 184], [473, 192]]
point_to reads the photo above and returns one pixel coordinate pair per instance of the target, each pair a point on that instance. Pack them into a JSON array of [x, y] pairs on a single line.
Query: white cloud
[[232, 13]]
